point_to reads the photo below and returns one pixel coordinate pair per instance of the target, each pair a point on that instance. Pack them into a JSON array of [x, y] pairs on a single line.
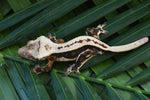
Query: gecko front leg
[[94, 32], [37, 69], [82, 58], [53, 38]]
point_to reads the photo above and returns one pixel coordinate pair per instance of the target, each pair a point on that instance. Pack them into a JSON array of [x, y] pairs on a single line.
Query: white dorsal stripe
[[79, 45], [121, 48]]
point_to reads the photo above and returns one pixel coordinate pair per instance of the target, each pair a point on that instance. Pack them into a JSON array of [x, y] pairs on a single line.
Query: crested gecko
[[80, 49]]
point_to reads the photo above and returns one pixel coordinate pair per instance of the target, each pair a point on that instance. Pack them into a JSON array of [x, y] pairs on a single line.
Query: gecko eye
[[28, 55]]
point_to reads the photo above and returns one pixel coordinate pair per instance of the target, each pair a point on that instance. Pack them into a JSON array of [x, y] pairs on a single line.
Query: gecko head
[[37, 49]]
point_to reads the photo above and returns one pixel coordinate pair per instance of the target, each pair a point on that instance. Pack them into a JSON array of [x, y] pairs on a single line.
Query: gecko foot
[[78, 72], [100, 27], [70, 70], [36, 69]]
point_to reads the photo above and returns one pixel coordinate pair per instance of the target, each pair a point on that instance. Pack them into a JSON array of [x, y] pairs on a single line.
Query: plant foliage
[[111, 76]]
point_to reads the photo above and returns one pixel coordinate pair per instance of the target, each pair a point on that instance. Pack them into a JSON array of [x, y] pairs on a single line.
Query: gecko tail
[[129, 46]]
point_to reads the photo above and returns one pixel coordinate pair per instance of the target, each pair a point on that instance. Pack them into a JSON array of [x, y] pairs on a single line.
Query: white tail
[[129, 46]]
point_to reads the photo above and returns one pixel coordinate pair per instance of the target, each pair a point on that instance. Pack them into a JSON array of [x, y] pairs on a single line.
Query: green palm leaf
[[25, 13], [140, 78], [6, 88], [105, 77], [87, 17]]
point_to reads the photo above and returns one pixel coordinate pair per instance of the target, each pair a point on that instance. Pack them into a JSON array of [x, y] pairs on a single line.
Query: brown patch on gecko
[[74, 53], [39, 46], [103, 45], [87, 40], [92, 32], [99, 44], [51, 57], [80, 41], [59, 47], [47, 47]]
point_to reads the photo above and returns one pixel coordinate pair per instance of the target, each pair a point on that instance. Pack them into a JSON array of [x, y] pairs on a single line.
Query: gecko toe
[[67, 73], [36, 69], [78, 72]]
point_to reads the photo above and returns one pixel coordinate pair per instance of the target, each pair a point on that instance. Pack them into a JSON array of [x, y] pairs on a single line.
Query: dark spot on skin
[[46, 68], [47, 47], [39, 43], [95, 31], [99, 44], [103, 45], [88, 40], [38, 70], [52, 58], [95, 42], [80, 41], [59, 47], [92, 32], [72, 44], [68, 45], [76, 41]]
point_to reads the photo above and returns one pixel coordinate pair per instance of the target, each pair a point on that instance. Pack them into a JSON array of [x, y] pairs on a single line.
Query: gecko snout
[[25, 54]]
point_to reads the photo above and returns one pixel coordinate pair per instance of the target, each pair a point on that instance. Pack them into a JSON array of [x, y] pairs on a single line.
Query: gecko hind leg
[[82, 58]]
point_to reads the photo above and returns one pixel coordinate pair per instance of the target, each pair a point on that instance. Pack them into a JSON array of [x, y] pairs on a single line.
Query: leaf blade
[[25, 13], [127, 18], [112, 93], [88, 17], [17, 5], [140, 78], [6, 87]]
